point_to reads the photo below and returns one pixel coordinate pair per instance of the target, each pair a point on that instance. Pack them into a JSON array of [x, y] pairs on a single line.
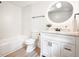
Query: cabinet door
[[77, 51], [45, 48], [77, 46], [67, 50], [54, 49]]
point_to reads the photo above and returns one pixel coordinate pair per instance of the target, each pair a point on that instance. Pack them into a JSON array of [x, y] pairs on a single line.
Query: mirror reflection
[[60, 11]]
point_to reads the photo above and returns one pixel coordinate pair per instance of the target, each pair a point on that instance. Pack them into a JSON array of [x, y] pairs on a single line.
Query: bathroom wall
[[39, 9], [10, 17], [26, 21]]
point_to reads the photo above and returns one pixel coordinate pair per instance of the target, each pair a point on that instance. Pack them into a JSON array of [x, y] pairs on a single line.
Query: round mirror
[[60, 11]]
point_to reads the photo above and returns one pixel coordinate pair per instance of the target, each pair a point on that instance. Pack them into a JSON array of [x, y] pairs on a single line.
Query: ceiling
[[22, 3]]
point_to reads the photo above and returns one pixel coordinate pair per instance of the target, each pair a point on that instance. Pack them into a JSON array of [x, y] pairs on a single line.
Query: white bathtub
[[11, 44]]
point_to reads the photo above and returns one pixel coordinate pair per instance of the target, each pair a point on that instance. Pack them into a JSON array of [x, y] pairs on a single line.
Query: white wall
[[26, 21], [40, 9], [10, 17], [10, 28]]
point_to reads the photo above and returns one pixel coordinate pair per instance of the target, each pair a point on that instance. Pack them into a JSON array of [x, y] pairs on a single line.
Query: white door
[[54, 49], [67, 50]]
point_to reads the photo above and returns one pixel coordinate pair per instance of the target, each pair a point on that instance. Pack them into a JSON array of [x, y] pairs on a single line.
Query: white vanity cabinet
[[57, 45]]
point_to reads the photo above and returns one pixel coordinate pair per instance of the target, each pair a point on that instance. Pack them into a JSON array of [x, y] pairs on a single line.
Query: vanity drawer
[[59, 37], [67, 50]]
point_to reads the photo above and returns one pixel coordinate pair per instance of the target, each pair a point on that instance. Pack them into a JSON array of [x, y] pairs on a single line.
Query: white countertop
[[63, 33]]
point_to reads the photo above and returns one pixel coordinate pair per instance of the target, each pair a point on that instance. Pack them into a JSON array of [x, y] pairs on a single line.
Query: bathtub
[[10, 45]]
